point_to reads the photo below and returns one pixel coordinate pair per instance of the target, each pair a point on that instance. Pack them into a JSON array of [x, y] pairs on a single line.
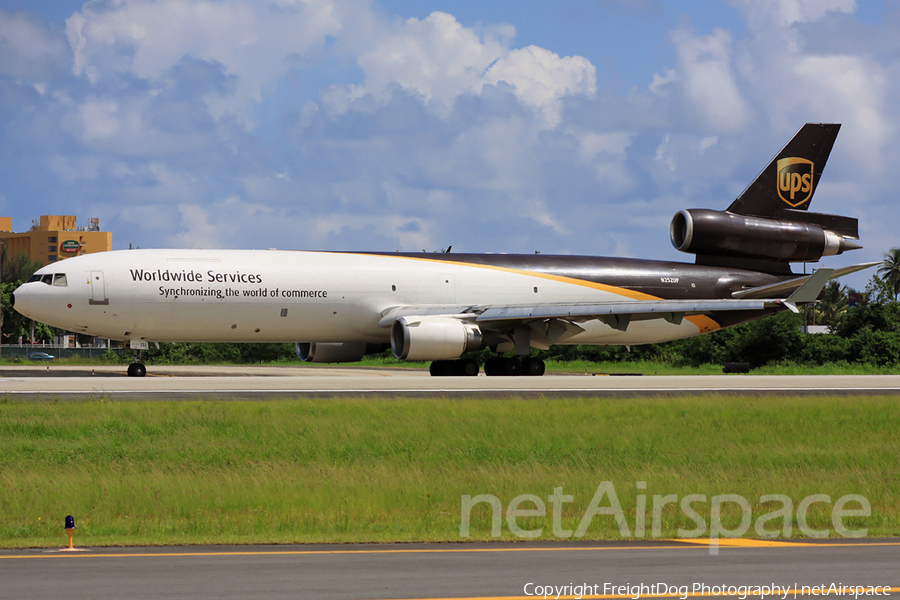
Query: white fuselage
[[290, 296]]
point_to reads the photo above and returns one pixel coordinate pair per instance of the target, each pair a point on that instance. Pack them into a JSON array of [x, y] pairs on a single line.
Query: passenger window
[[60, 280], [48, 279]]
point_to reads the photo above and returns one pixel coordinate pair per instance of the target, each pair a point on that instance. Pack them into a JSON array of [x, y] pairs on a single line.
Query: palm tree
[[890, 270], [833, 303]]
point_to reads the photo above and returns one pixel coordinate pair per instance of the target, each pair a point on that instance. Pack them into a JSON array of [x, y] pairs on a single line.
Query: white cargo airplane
[[438, 307]]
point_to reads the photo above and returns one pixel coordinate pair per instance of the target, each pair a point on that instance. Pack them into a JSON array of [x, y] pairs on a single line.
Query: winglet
[[809, 291]]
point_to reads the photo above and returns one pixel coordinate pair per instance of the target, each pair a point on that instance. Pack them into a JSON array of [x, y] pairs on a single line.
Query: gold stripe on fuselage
[[702, 322]]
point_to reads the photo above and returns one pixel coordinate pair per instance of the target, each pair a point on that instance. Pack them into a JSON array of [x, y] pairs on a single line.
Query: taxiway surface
[[501, 570], [167, 382]]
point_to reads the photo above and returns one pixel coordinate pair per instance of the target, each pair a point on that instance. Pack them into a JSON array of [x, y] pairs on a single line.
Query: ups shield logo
[[795, 180]]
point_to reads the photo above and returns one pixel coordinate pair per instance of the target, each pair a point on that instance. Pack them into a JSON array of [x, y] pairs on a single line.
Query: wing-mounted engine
[[337, 352], [434, 338], [803, 237]]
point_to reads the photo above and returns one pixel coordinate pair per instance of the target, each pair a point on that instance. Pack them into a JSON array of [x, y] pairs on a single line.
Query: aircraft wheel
[[503, 367], [441, 368], [492, 367], [533, 367], [137, 370], [466, 367], [511, 367]]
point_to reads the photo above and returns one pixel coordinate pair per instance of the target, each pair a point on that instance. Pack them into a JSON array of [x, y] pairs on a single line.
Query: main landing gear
[[464, 367], [137, 369], [516, 365], [494, 367]]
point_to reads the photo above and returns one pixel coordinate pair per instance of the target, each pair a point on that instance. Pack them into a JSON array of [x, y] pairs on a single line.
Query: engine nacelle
[[717, 233], [331, 352], [434, 338]]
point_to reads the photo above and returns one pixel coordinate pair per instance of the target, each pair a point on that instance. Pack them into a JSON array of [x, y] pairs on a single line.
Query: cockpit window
[[59, 280], [48, 279], [33, 278]]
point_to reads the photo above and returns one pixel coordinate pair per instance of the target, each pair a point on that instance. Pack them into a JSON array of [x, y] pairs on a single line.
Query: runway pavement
[[167, 382], [502, 570]]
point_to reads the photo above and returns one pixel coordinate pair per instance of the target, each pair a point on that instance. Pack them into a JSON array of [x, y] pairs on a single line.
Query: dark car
[[39, 356]]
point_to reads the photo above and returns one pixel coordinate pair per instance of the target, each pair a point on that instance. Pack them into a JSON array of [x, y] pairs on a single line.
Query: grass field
[[135, 473]]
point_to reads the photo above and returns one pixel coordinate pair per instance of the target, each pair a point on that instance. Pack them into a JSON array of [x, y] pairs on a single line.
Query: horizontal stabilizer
[[847, 227], [786, 287]]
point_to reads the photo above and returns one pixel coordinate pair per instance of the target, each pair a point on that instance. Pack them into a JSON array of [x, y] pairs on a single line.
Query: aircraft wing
[[648, 309], [615, 314], [637, 309]]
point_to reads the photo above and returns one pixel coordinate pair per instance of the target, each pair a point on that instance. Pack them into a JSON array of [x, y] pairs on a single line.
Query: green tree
[[878, 311], [833, 304], [890, 270], [15, 270]]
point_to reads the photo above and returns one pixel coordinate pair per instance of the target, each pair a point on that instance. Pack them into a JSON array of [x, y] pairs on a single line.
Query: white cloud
[[833, 86], [792, 84], [403, 232], [657, 86], [255, 41], [329, 124], [436, 57], [593, 143], [99, 120], [440, 60], [789, 12], [200, 232], [607, 153], [705, 71], [541, 78], [28, 51]]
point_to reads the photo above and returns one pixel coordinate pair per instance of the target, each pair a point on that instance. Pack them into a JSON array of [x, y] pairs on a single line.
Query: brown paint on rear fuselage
[[646, 279], [642, 276], [650, 277]]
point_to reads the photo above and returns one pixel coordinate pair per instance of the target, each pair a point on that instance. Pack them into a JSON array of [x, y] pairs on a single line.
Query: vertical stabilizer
[[790, 180]]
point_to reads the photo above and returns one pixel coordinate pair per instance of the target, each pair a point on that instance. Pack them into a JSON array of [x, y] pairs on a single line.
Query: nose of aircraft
[[19, 299]]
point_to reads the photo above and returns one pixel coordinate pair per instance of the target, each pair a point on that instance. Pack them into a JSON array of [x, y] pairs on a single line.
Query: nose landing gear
[[137, 369]]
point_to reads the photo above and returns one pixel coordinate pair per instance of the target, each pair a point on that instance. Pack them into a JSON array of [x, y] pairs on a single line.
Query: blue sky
[[504, 126]]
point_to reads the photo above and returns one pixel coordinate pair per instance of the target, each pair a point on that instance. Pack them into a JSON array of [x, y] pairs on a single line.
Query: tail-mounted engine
[[796, 236]]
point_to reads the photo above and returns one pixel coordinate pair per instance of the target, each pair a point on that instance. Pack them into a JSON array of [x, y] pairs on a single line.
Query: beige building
[[54, 237]]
